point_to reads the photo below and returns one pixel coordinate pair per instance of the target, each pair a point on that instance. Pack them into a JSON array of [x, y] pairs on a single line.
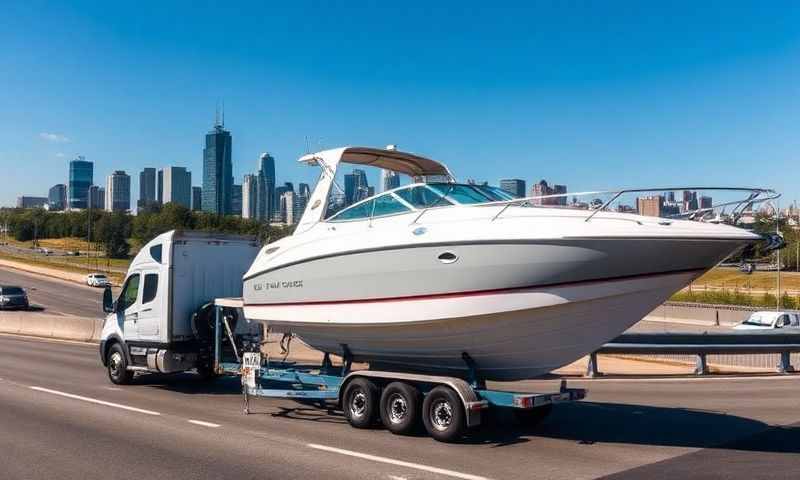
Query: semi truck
[[180, 310]]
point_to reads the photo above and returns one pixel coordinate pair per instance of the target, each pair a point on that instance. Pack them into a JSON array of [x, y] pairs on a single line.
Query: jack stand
[[347, 359], [472, 376], [326, 364]]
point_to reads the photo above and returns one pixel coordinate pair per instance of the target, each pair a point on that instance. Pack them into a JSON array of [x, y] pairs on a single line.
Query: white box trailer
[[157, 322]]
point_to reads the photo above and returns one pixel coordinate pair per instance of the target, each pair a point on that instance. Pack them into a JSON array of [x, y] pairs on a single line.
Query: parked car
[[13, 297], [97, 280], [769, 320]]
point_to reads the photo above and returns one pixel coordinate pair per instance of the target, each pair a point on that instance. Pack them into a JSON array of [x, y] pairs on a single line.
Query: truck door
[[149, 310], [128, 308]]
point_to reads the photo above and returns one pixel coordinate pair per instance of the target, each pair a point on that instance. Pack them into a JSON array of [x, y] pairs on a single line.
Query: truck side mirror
[[108, 300]]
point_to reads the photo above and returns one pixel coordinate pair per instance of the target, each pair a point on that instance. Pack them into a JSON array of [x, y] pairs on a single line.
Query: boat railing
[[738, 206]]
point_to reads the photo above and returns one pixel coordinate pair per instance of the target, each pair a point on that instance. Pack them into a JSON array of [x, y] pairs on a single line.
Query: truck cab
[[157, 323]]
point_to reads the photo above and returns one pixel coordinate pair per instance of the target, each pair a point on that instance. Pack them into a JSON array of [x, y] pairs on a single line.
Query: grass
[[732, 278], [49, 262]]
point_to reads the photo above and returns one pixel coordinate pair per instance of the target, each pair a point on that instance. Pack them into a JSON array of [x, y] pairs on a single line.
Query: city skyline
[[595, 107]]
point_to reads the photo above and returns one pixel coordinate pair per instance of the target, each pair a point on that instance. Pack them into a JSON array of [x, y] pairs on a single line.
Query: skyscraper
[[217, 171], [279, 215], [57, 197], [160, 187], [197, 199], [29, 201], [81, 176], [249, 196], [389, 180], [543, 189], [650, 206], [356, 187], [177, 186], [118, 192], [265, 188], [288, 207], [96, 197], [147, 187], [514, 186], [236, 200]]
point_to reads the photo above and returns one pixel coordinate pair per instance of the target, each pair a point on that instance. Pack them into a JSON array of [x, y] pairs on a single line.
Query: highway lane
[[56, 296], [631, 428]]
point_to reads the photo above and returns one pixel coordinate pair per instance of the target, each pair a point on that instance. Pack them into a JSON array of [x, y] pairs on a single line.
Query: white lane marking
[[48, 340], [391, 461], [113, 389], [204, 424], [92, 400]]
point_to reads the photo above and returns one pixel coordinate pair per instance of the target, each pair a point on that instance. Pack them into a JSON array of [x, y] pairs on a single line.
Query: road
[[58, 297], [62, 418], [54, 427]]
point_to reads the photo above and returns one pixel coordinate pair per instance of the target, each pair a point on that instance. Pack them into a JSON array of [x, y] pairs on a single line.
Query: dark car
[[13, 297]]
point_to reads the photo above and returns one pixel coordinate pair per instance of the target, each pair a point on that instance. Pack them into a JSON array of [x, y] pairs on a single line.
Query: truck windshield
[[759, 319], [12, 291]]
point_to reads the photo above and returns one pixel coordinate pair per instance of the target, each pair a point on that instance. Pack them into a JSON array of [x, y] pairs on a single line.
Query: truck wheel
[[532, 416], [443, 414], [206, 372], [360, 403], [118, 371], [400, 407]]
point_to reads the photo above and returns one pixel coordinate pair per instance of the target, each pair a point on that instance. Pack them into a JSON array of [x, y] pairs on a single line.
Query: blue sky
[[592, 94]]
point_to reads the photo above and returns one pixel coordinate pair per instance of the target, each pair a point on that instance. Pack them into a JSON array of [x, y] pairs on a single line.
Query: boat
[[464, 279]]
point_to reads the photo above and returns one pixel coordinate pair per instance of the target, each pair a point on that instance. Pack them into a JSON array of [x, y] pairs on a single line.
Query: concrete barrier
[[699, 314], [34, 324]]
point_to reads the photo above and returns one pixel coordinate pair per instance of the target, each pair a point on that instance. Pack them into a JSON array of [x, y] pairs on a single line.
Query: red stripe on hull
[[473, 293]]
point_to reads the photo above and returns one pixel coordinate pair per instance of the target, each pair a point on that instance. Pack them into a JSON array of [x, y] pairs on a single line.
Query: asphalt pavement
[[60, 417]]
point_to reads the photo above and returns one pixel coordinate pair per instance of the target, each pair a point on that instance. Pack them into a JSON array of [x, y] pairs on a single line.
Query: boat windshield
[[471, 194]]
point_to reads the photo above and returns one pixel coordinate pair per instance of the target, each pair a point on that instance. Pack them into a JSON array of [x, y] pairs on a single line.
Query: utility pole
[[778, 255]]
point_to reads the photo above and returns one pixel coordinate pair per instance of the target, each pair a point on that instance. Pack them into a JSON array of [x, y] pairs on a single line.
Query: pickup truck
[[768, 320]]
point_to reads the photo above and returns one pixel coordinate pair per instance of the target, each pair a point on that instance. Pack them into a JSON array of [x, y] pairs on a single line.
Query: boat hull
[[511, 335]]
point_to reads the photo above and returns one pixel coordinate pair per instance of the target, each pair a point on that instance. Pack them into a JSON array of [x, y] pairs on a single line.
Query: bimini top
[[401, 162]]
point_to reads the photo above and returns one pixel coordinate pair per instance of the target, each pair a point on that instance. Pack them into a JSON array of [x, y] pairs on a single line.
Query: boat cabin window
[[356, 212], [463, 194], [422, 197], [388, 205]]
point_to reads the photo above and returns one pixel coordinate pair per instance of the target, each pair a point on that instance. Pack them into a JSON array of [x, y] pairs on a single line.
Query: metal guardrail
[[703, 344]]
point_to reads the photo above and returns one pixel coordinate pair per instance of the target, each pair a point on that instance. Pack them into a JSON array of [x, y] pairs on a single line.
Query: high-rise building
[[236, 200], [265, 188], [514, 186], [81, 176], [217, 171], [96, 197], [389, 180], [160, 187], [356, 187], [279, 215], [176, 186], [118, 192], [705, 202], [57, 197], [28, 201], [689, 200], [147, 187], [249, 196], [543, 189], [288, 207], [197, 199], [650, 206]]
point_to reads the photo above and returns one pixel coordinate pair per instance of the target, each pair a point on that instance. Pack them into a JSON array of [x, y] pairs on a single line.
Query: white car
[[769, 320], [97, 280]]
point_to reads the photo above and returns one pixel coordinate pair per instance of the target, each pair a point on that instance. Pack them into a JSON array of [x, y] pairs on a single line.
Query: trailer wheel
[[117, 365], [400, 407], [532, 416], [443, 414], [360, 403]]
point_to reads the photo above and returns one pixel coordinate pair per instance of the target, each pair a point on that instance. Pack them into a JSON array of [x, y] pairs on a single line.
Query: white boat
[[428, 274]]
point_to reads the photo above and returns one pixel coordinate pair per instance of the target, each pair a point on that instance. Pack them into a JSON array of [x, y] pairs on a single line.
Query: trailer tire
[[532, 416], [117, 365], [360, 403], [400, 408], [443, 414]]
